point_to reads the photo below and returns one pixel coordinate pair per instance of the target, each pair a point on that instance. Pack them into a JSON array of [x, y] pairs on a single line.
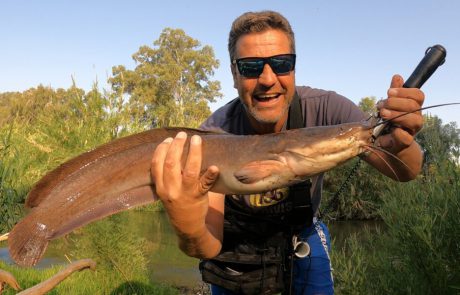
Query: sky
[[352, 47]]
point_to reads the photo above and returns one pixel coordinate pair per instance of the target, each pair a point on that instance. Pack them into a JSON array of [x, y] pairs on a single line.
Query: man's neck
[[265, 128]]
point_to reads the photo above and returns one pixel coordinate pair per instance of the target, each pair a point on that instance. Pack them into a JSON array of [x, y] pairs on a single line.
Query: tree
[[439, 137], [367, 105], [171, 84]]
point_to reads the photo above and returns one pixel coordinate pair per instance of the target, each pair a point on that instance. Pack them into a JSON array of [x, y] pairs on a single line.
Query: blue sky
[[352, 47]]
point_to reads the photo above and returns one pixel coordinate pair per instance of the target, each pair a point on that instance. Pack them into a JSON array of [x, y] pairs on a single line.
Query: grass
[[86, 282]]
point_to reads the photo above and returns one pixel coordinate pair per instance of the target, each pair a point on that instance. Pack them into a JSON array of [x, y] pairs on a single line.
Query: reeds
[[418, 252]]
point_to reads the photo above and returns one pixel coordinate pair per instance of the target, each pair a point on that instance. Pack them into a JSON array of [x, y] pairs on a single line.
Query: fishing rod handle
[[434, 57]]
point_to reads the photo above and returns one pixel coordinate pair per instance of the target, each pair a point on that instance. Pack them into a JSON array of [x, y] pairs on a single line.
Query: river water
[[167, 264]]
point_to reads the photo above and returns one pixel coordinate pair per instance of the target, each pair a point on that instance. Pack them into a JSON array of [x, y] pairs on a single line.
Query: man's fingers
[[397, 81], [396, 141], [401, 101], [192, 167], [172, 173], [208, 179], [158, 159], [412, 123], [414, 94], [399, 104]]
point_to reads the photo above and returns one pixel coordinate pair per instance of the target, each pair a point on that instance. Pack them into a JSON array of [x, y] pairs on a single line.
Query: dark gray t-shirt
[[319, 108]]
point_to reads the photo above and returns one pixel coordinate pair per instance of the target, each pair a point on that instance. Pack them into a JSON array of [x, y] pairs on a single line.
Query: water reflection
[[167, 264], [51, 257]]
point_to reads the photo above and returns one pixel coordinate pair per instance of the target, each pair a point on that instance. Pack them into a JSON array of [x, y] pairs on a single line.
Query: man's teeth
[[267, 96]]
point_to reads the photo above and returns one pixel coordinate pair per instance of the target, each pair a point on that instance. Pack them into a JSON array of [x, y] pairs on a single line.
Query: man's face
[[268, 96]]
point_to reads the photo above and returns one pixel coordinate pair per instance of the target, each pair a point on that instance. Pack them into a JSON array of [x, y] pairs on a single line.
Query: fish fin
[[211, 131], [28, 241], [258, 170], [135, 197]]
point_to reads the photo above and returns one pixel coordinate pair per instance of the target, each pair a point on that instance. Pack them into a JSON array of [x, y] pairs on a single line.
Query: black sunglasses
[[252, 67]]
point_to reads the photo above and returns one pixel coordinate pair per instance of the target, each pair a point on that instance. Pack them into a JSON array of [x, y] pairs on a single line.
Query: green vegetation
[[11, 190], [361, 195], [86, 282], [418, 251], [170, 85]]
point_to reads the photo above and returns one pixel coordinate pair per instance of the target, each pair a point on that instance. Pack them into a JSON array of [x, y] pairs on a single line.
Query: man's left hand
[[401, 100]]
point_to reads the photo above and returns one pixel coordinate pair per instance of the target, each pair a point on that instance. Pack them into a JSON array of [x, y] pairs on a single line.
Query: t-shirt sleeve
[[221, 119], [324, 108], [210, 124], [342, 110]]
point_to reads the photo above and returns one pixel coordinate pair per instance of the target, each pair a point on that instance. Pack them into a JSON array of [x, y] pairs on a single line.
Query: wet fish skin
[[116, 176]]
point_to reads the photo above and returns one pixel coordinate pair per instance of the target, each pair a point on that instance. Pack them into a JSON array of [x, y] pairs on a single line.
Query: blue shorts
[[312, 274]]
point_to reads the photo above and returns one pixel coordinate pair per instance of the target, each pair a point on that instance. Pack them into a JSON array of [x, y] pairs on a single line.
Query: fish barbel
[[116, 176]]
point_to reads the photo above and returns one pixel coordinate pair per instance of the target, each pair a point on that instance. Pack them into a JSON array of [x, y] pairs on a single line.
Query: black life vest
[[257, 252]]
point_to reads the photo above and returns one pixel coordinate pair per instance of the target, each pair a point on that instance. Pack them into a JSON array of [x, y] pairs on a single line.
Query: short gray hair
[[257, 22]]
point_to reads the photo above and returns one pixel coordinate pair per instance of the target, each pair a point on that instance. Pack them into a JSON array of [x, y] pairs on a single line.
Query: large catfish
[[116, 176]]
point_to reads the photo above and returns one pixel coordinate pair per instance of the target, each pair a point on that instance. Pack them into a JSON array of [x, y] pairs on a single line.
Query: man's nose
[[267, 77]]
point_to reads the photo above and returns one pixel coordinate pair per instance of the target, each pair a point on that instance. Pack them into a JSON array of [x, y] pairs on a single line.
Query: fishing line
[[417, 110]]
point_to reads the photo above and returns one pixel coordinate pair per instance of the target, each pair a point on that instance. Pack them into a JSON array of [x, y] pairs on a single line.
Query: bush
[[419, 251], [11, 194]]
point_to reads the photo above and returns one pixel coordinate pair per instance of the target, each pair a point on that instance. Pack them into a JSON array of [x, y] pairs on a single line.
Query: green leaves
[[171, 84], [367, 105]]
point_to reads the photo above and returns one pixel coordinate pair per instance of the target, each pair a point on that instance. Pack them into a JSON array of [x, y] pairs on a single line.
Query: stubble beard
[[259, 116]]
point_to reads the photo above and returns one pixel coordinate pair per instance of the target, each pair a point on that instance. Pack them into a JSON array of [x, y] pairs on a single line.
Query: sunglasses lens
[[282, 64], [253, 67]]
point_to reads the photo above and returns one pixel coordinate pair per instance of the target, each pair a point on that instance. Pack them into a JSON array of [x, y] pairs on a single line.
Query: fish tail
[[28, 241]]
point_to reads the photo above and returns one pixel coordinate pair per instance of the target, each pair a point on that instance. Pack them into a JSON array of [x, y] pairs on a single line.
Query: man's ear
[[234, 74]]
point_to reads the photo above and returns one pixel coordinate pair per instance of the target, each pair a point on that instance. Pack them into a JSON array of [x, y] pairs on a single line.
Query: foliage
[[367, 105], [419, 251], [10, 193], [360, 197], [171, 84], [439, 138], [350, 266], [360, 191], [113, 245], [67, 123]]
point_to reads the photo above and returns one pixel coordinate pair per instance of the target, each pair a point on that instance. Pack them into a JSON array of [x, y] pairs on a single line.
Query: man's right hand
[[183, 191]]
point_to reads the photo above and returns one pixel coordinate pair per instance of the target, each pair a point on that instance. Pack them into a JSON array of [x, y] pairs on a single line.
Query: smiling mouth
[[266, 97]]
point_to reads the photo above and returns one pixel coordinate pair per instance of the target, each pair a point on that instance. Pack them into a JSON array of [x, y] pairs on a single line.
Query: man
[[253, 254]]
